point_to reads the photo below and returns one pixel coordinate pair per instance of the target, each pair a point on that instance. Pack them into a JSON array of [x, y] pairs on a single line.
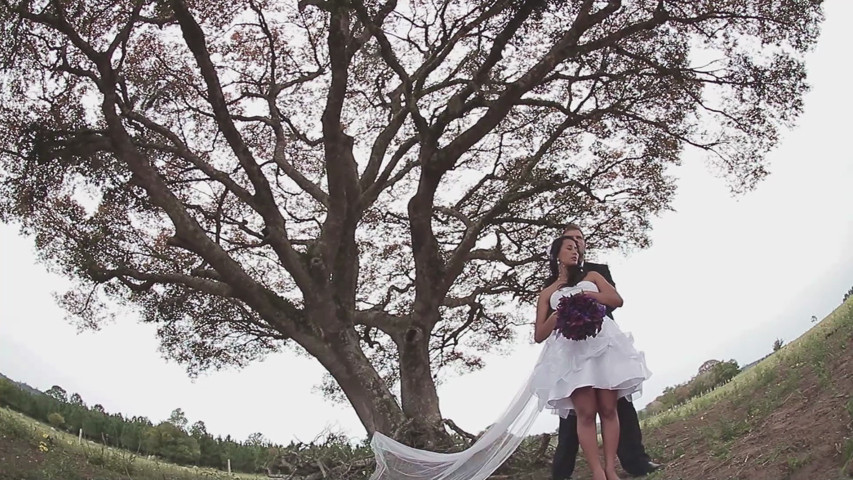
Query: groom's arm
[[604, 270]]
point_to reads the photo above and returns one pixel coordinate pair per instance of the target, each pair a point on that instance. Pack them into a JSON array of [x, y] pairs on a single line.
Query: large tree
[[371, 181]]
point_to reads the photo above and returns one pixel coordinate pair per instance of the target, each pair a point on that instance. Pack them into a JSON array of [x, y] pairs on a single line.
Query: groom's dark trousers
[[632, 455]]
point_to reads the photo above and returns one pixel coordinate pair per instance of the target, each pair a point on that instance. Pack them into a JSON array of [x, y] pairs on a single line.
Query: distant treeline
[[712, 374], [170, 440]]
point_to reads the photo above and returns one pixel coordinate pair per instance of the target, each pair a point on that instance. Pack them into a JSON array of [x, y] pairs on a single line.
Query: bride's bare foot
[[610, 474], [599, 474]]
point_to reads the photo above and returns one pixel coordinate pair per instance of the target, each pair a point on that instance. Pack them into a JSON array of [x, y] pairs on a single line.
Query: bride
[[584, 376]]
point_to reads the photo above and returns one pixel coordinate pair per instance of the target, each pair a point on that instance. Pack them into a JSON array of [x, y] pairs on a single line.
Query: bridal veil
[[395, 461]]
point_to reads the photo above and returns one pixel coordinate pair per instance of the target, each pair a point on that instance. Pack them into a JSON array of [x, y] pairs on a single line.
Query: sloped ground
[[789, 417], [30, 450]]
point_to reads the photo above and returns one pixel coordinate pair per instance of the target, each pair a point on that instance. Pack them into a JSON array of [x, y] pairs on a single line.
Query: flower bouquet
[[579, 317]]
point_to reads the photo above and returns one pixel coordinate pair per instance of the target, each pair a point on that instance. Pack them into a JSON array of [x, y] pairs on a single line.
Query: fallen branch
[[544, 442], [452, 425], [336, 472]]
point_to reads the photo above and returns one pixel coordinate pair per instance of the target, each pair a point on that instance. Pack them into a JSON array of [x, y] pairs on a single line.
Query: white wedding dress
[[608, 361]]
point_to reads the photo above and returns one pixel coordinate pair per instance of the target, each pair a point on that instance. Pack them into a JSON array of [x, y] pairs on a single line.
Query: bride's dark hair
[[576, 272]]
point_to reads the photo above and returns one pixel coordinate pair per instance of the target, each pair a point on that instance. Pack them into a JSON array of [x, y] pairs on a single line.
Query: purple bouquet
[[579, 317]]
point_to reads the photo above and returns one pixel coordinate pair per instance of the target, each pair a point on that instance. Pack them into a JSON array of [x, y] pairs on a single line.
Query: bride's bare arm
[[607, 294], [544, 323]]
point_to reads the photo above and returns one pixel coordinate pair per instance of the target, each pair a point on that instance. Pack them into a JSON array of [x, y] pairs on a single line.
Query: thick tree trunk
[[418, 393], [419, 422], [375, 405], [417, 387], [419, 396]]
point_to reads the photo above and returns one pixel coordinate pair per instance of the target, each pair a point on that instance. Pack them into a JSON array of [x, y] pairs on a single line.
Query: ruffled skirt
[[607, 361]]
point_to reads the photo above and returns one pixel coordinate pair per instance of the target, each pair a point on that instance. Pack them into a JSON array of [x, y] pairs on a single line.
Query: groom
[[630, 451]]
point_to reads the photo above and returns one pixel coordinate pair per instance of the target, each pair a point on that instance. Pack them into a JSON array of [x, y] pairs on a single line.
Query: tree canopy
[[371, 182]]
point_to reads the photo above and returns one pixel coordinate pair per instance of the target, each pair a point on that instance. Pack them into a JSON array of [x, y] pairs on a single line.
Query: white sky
[[724, 278]]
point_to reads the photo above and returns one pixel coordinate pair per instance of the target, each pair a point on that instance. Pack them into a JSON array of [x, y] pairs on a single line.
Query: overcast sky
[[724, 278]]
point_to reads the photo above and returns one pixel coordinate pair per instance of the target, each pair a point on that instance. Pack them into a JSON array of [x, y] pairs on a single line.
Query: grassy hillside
[[789, 417], [30, 450]]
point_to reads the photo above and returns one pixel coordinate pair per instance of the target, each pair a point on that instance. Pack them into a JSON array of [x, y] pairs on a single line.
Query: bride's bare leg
[[585, 403], [606, 401]]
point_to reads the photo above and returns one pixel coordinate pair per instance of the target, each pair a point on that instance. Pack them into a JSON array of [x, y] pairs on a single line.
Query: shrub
[[56, 420]]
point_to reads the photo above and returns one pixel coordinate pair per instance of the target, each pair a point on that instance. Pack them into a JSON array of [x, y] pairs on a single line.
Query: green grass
[[42, 453]]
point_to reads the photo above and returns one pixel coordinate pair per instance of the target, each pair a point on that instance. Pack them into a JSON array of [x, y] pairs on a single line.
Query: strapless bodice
[[582, 286]]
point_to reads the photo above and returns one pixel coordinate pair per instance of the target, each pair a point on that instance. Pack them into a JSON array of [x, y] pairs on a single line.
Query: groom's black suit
[[630, 451]]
